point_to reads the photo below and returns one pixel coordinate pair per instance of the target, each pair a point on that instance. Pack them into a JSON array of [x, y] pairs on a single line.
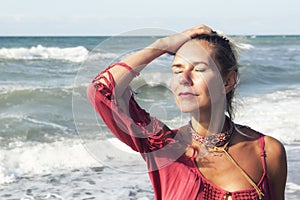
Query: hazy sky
[[112, 17]]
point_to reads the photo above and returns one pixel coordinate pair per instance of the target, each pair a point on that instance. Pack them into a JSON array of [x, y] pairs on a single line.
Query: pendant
[[217, 154]]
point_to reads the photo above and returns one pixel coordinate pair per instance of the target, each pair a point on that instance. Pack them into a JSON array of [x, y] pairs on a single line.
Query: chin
[[188, 109], [192, 106]]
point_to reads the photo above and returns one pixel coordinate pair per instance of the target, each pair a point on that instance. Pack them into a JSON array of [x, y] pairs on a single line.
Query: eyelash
[[177, 72], [200, 70], [196, 70]]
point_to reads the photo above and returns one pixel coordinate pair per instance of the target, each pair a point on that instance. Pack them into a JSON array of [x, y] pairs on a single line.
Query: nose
[[185, 78]]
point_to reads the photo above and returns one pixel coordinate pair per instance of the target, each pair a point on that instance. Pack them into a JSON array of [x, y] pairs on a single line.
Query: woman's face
[[196, 82]]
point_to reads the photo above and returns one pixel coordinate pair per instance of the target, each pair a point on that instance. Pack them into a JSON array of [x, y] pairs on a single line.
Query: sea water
[[53, 145]]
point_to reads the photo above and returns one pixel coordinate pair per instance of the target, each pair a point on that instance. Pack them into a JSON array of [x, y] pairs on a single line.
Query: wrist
[[159, 45], [171, 43]]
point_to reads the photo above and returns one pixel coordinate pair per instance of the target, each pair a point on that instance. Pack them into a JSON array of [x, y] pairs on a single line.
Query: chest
[[226, 171]]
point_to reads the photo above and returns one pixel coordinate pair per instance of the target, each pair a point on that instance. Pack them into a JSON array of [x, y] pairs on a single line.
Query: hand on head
[[172, 43], [198, 30]]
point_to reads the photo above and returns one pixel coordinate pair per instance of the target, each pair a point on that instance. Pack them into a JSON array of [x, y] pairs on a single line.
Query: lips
[[187, 94]]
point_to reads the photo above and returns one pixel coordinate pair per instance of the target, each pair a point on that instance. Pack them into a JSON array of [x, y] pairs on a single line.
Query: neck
[[207, 124]]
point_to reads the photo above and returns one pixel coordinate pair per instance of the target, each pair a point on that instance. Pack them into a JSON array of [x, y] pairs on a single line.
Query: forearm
[[137, 61]]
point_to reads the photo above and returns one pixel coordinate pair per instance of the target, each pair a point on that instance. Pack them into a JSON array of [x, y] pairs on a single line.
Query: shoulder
[[275, 156], [247, 134], [273, 147]]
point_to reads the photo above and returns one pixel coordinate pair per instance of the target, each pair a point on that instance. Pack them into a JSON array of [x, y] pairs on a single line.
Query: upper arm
[[276, 166]]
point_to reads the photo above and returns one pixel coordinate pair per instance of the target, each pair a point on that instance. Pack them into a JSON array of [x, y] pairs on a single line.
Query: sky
[[114, 17]]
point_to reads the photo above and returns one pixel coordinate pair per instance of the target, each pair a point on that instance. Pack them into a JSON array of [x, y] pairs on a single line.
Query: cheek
[[201, 82], [214, 89]]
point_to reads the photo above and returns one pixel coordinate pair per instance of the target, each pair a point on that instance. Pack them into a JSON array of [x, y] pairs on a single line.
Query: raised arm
[[111, 98], [140, 59]]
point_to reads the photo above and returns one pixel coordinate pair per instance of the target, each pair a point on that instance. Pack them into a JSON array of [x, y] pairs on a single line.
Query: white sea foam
[[292, 189], [21, 159], [73, 54], [276, 114], [293, 186], [41, 158], [120, 145]]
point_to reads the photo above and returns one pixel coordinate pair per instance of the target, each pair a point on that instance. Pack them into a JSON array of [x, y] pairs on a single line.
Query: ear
[[230, 81]]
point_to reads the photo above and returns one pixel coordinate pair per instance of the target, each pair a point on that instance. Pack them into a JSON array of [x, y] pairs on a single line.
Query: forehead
[[194, 51]]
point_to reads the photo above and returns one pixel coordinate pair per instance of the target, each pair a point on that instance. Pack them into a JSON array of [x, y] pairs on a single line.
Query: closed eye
[[201, 67], [177, 71], [200, 70]]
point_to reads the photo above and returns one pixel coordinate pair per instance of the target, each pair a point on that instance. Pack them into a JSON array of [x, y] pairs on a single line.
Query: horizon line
[[92, 35]]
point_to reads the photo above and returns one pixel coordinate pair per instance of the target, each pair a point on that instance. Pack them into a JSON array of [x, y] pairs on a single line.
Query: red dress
[[174, 175]]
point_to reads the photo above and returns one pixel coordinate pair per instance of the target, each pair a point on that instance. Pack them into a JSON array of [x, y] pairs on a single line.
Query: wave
[[292, 187], [39, 52], [76, 54], [33, 158], [37, 122], [274, 114], [32, 128], [34, 96]]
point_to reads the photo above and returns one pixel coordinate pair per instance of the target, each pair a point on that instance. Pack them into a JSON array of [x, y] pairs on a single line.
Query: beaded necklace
[[216, 140]]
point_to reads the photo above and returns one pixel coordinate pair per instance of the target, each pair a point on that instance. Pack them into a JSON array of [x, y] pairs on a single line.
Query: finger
[[199, 30], [204, 29]]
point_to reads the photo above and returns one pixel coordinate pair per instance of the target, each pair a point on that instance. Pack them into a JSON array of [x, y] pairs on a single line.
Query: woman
[[209, 158]]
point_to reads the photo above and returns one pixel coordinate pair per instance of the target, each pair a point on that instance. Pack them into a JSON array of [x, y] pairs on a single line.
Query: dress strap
[[262, 151]]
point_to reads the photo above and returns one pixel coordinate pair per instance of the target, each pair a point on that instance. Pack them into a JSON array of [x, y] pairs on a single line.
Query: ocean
[[54, 146]]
